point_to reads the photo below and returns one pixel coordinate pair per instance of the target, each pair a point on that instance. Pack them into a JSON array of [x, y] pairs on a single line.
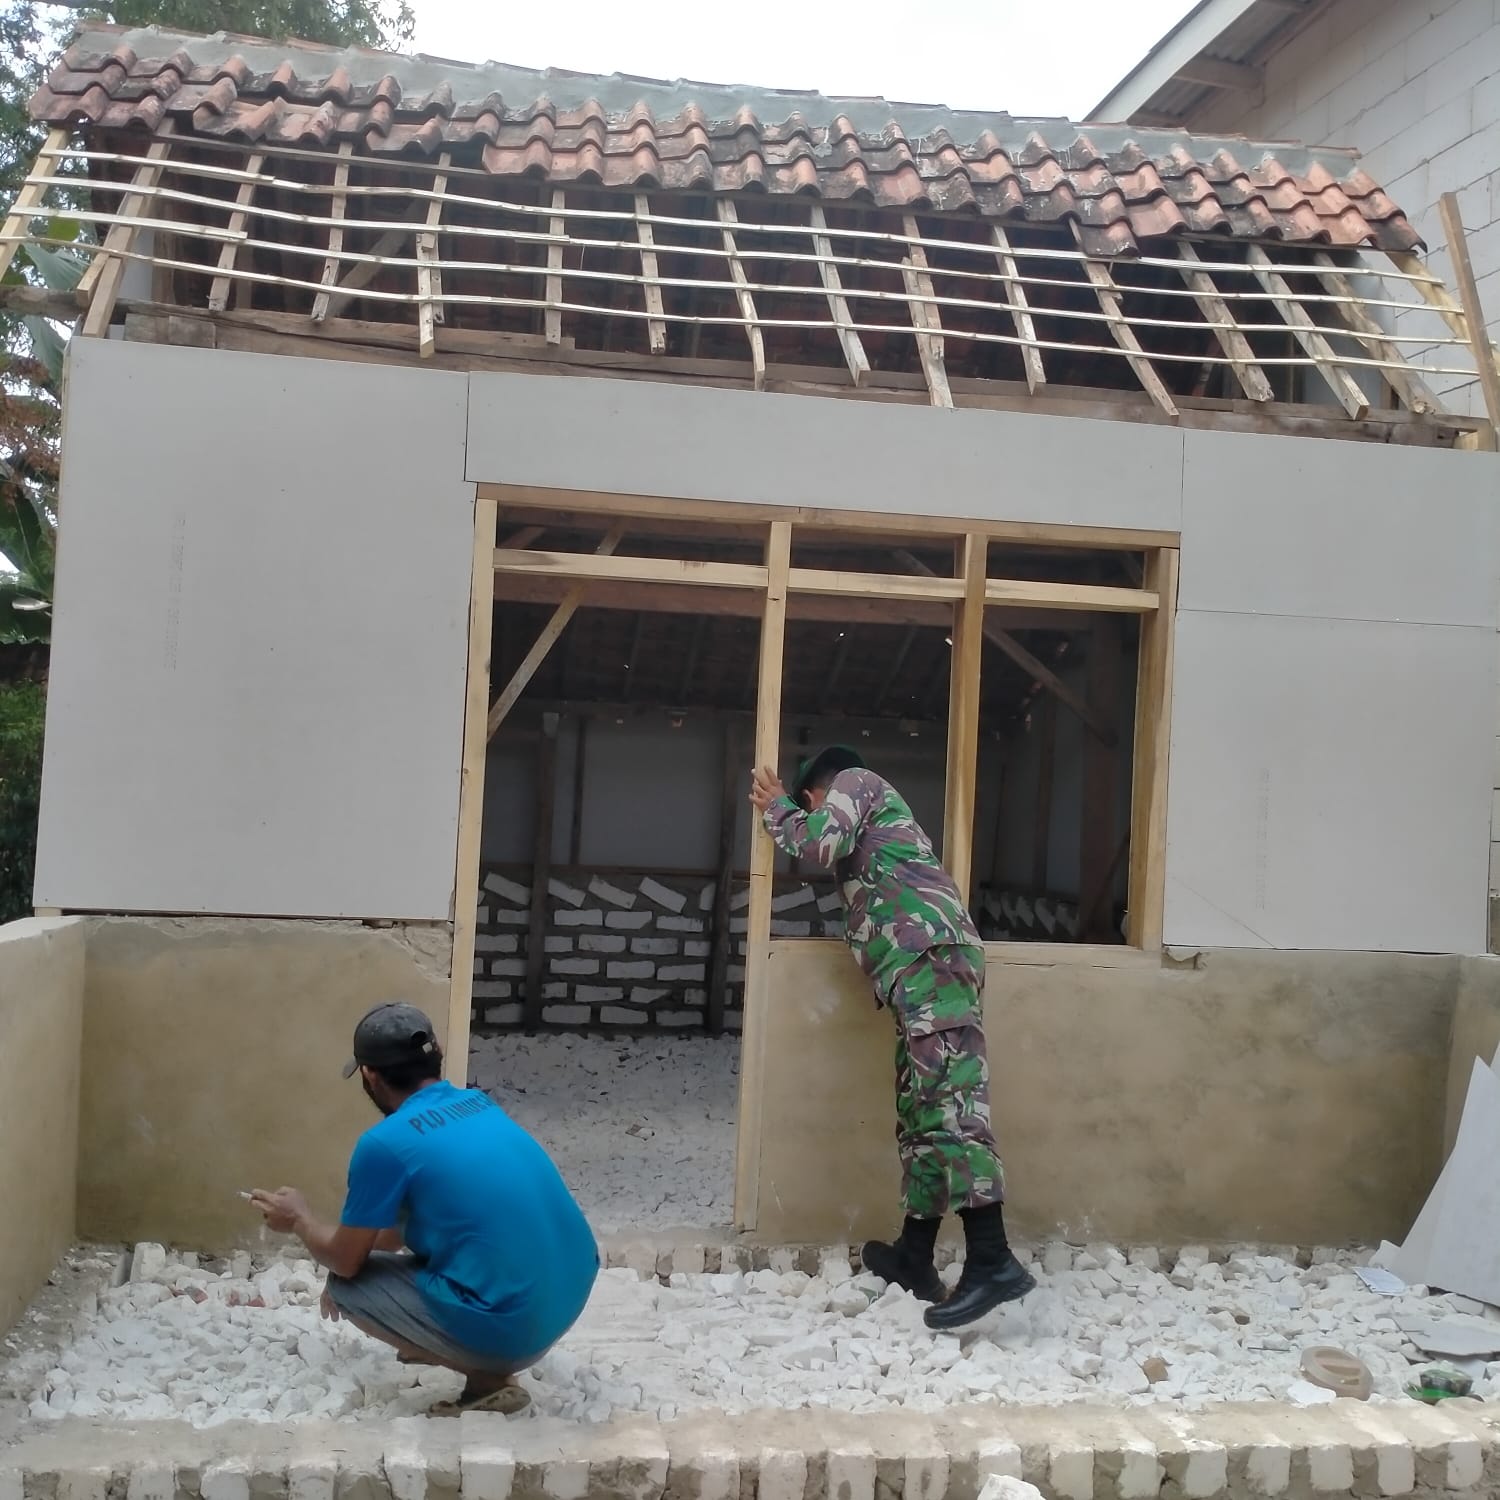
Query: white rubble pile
[[642, 1130], [247, 1342]]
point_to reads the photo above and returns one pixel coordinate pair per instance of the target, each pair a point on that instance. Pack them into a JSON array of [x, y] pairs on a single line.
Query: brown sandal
[[507, 1400]]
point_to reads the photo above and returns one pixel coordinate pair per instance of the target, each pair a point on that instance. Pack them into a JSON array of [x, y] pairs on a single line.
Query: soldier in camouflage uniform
[[909, 931]]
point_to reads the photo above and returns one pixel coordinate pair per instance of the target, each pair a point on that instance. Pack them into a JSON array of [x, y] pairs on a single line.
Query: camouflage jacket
[[899, 901]]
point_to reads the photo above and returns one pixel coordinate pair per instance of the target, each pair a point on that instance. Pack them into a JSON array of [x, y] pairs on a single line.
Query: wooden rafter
[[225, 287], [1318, 349], [1431, 290], [1468, 292], [1020, 309], [29, 200], [557, 227], [429, 274], [1110, 304], [924, 316], [1032, 665], [1215, 310], [363, 272], [838, 304], [546, 640], [1402, 378], [728, 219], [100, 283], [333, 265], [656, 325]]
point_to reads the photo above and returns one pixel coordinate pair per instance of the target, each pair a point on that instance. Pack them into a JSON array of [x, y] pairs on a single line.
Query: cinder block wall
[[1415, 87]]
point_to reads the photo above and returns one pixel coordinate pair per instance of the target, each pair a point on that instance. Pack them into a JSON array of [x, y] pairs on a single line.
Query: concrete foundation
[[1276, 1097], [41, 1014], [211, 1057]]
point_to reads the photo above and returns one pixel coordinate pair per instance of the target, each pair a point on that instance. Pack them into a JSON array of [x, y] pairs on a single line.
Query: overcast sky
[[1027, 57]]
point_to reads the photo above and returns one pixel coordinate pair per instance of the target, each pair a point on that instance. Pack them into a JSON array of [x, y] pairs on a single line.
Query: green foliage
[[22, 708]]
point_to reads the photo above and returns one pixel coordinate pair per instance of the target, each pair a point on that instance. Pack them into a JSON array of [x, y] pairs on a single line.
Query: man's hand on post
[[765, 788]]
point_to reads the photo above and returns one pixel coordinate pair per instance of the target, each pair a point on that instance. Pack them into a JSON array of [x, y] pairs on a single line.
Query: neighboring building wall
[[41, 1022]]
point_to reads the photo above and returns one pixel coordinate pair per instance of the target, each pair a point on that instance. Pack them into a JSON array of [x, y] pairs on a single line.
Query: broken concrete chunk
[[1458, 1337], [148, 1262], [1155, 1369]]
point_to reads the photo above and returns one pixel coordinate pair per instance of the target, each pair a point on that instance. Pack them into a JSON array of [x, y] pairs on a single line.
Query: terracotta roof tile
[[1120, 185]]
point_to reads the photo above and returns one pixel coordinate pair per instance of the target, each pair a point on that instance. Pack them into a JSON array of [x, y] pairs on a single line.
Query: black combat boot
[[908, 1262], [991, 1276]]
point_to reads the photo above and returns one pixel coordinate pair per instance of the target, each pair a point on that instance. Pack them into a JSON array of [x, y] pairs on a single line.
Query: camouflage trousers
[[949, 1159]]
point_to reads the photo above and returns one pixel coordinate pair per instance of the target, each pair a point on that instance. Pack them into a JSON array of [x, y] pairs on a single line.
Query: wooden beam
[[1153, 721], [545, 641], [924, 317], [963, 714], [29, 201], [429, 275], [1299, 320], [1216, 72], [1020, 310], [1041, 836], [1070, 596], [721, 934], [523, 538], [100, 283], [1004, 641], [334, 264], [1468, 293], [838, 304], [1097, 836], [1215, 310], [363, 272], [1113, 308], [541, 871], [728, 218], [767, 749], [1410, 389], [558, 229], [585, 567], [1431, 290], [656, 325], [225, 288], [470, 798]]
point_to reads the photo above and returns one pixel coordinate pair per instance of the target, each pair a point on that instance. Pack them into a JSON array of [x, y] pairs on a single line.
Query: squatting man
[[910, 932], [458, 1243]]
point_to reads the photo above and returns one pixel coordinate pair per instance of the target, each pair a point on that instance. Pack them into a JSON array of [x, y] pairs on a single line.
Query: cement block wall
[[41, 1022]]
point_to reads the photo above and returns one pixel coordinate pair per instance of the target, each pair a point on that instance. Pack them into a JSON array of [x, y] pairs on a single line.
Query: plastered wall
[[41, 1015], [1286, 1098]]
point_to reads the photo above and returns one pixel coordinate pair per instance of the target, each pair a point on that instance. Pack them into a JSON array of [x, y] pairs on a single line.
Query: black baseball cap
[[832, 758], [390, 1034]]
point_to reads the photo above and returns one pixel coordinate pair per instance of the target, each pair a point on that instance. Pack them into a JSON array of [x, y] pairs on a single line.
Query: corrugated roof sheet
[[1120, 184]]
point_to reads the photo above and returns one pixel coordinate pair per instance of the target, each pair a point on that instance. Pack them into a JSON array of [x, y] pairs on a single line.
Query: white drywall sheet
[[1329, 784], [637, 437], [257, 691], [1339, 530]]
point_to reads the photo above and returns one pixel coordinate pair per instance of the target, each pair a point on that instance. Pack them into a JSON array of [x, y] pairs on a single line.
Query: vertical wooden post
[[736, 788], [1097, 839], [225, 288], [963, 713], [762, 872], [333, 266], [100, 283], [1153, 719], [1041, 839], [471, 794], [1468, 295], [541, 869]]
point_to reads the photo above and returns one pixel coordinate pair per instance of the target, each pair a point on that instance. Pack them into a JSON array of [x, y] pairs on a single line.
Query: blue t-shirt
[[508, 1258]]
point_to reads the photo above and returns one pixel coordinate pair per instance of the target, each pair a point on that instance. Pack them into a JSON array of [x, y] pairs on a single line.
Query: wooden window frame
[[970, 594]]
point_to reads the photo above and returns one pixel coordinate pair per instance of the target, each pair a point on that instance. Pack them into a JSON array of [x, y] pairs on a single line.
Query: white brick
[[1465, 1463], [601, 942], [505, 1015], [566, 1015], [1471, 158], [783, 1474], [560, 890], [1140, 1470], [87, 1483], [611, 893], [662, 895], [152, 1482], [740, 899], [510, 968], [793, 899], [678, 1018], [613, 1015], [851, 1465], [517, 895], [1395, 1459], [630, 969], [492, 990], [496, 942], [739, 924], [696, 948], [488, 1468], [655, 947], [706, 896], [734, 974], [405, 1466], [831, 902], [680, 924], [598, 994], [670, 973], [508, 918], [1070, 1471], [557, 945], [995, 1456], [1330, 1468], [711, 1475], [228, 1480], [557, 991], [791, 929], [926, 1476], [1444, 34], [478, 967], [481, 916], [312, 1478], [589, 917], [566, 1479], [628, 921], [695, 997], [646, 995]]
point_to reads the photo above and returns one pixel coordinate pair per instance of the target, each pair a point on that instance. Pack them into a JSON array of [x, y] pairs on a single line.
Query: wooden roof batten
[[475, 265]]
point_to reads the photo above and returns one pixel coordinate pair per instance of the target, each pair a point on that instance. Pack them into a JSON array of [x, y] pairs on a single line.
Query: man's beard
[[385, 1109]]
